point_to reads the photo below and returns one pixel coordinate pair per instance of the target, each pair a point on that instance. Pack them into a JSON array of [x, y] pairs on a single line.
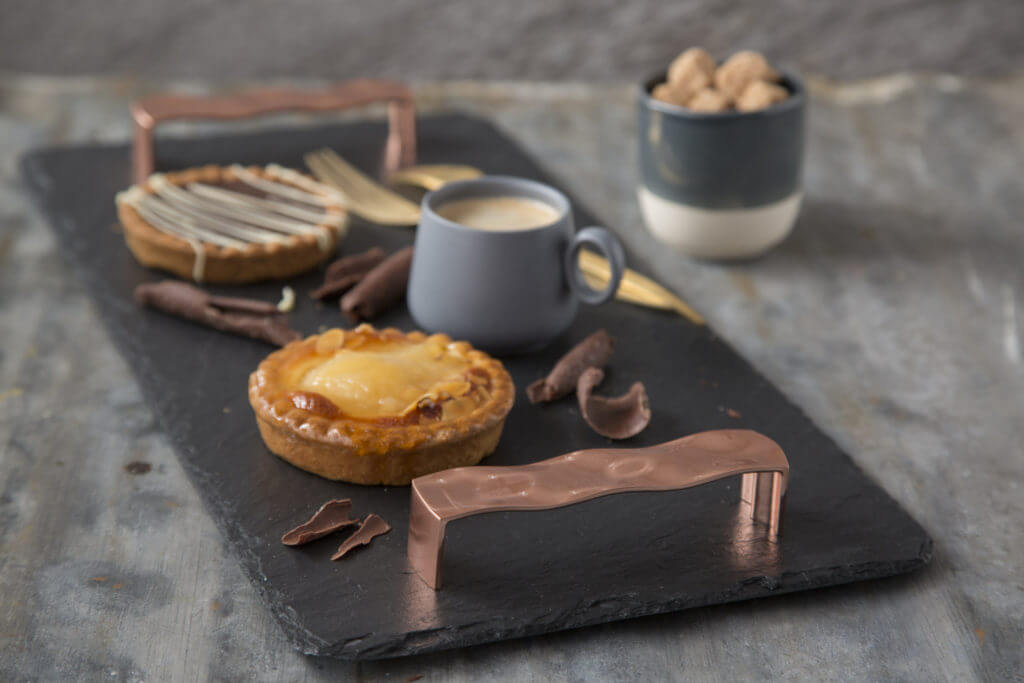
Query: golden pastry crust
[[226, 265], [455, 422]]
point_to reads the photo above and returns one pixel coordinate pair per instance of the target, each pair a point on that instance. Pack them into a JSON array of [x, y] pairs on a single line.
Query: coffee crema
[[499, 213]]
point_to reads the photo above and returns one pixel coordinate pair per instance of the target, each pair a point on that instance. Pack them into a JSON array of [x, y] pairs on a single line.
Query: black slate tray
[[506, 574]]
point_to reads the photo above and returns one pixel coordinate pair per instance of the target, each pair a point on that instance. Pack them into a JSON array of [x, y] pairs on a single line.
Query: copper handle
[[583, 475], [400, 149]]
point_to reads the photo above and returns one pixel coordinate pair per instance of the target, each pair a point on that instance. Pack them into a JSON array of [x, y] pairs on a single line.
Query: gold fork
[[376, 203]]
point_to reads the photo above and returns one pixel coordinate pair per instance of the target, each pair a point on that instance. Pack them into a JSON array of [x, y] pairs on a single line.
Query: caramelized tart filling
[[379, 378]]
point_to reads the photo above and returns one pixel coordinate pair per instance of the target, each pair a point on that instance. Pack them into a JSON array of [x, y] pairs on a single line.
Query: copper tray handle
[[400, 149], [583, 475]]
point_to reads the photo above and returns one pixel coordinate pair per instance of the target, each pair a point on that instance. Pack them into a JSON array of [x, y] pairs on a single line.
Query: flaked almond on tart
[[232, 224], [375, 406]]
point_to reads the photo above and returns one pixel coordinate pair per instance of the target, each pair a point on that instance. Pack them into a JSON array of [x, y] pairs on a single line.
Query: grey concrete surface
[[893, 315], [525, 39]]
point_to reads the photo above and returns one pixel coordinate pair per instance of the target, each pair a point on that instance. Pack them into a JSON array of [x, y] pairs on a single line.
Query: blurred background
[[525, 39]]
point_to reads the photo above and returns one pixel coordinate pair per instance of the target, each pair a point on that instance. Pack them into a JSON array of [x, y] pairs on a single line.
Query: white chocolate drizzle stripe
[[227, 207], [248, 214], [166, 219], [271, 187], [199, 265], [230, 196], [206, 213], [181, 229], [238, 220], [244, 224], [332, 194], [256, 217], [176, 221], [225, 227]]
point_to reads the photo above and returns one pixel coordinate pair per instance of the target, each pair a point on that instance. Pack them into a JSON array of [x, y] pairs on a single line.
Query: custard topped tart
[[232, 224], [380, 406]]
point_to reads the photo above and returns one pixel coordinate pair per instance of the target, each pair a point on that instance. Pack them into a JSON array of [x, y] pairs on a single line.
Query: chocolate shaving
[[617, 418], [336, 287], [371, 527], [331, 516], [354, 264], [234, 303], [594, 351], [344, 273], [382, 288], [246, 317]]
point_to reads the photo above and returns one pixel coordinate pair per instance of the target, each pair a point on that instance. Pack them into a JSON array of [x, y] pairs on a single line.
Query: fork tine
[[320, 169], [324, 174], [365, 188], [321, 166], [343, 172], [362, 181], [331, 169], [372, 188]]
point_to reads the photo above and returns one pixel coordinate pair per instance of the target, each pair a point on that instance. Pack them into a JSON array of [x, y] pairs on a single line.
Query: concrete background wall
[[514, 39]]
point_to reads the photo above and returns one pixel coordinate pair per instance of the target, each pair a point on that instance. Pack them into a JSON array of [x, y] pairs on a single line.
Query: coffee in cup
[[495, 263], [499, 213]]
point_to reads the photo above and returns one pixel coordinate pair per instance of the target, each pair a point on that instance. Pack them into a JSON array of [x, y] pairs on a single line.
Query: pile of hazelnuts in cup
[[744, 82]]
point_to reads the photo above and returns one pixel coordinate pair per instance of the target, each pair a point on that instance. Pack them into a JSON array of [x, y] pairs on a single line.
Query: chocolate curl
[[371, 527], [382, 288], [594, 351], [617, 418], [344, 273], [246, 317], [331, 516]]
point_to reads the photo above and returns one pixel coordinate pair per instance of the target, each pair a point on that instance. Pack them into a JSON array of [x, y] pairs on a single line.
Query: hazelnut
[[760, 95], [665, 93], [690, 66], [709, 100], [742, 69], [688, 86]]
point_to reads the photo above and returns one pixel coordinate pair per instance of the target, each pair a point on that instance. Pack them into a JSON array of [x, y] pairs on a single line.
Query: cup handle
[[609, 247]]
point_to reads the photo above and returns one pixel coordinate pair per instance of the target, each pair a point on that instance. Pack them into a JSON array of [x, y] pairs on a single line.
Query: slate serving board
[[506, 574]]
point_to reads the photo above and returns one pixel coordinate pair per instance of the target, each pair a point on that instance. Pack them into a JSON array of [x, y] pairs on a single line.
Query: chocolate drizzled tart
[[380, 406], [232, 224]]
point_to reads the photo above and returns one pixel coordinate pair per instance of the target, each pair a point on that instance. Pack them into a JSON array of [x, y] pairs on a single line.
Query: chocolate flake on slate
[[371, 527], [137, 467], [344, 273], [594, 351], [331, 516], [382, 288], [617, 418], [246, 317]]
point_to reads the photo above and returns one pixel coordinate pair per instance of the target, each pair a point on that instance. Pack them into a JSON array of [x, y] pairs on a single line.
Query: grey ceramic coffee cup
[[720, 185], [504, 291]]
